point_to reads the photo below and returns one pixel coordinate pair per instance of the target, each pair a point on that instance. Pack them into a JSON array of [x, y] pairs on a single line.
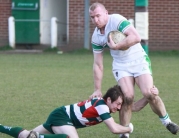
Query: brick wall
[[5, 12], [164, 25], [163, 21], [76, 24], [76, 18]]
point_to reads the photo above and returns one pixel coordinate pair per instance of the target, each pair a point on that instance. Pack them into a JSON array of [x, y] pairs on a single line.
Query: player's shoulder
[[95, 32], [117, 16], [95, 36], [99, 101]]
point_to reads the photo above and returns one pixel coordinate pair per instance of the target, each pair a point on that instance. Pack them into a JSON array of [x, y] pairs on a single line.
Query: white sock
[[165, 120]]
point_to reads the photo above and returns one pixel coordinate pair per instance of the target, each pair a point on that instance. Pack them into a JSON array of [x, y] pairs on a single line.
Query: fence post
[[54, 32], [142, 22], [11, 29], [87, 26]]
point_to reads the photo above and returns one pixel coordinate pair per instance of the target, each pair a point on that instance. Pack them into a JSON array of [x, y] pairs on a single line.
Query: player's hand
[[154, 90], [96, 94], [111, 43], [131, 127]]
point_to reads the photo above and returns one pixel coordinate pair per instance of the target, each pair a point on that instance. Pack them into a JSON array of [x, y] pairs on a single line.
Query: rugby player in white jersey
[[131, 65]]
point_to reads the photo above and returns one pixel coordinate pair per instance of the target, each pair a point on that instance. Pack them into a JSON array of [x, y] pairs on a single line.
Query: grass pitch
[[32, 85]]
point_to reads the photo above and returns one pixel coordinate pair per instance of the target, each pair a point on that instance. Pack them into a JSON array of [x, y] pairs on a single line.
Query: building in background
[[163, 21]]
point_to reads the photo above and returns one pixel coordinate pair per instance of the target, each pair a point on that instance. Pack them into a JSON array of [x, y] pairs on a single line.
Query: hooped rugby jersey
[[88, 112], [99, 41]]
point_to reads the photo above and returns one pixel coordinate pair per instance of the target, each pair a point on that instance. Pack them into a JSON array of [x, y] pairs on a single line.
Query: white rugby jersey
[[99, 41], [88, 112]]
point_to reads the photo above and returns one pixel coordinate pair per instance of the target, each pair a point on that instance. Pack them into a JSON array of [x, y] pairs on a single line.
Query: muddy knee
[[128, 100]]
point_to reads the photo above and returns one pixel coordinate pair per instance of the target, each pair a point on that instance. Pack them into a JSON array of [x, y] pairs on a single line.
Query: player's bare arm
[[97, 74], [140, 104], [116, 128]]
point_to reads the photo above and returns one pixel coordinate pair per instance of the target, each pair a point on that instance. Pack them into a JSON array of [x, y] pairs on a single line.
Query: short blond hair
[[95, 5]]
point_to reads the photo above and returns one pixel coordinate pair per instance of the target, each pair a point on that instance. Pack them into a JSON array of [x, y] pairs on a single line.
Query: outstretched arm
[[117, 128], [137, 106], [97, 74]]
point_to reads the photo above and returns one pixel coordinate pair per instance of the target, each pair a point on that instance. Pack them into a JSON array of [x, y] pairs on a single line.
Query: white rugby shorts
[[133, 68]]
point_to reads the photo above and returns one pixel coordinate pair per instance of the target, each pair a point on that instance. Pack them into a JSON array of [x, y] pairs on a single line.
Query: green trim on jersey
[[148, 61], [123, 25], [98, 47]]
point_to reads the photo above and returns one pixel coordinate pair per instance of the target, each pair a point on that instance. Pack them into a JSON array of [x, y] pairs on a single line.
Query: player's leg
[[40, 129], [126, 81], [44, 133], [12, 131], [145, 83], [18, 132], [127, 87], [125, 114], [66, 129], [56, 119]]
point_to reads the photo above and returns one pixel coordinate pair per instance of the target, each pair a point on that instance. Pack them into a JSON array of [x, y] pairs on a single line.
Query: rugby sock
[[15, 131], [53, 136], [12, 131], [165, 119], [126, 135]]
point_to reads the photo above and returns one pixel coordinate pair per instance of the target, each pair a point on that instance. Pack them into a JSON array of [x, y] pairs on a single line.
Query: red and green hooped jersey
[[88, 112]]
